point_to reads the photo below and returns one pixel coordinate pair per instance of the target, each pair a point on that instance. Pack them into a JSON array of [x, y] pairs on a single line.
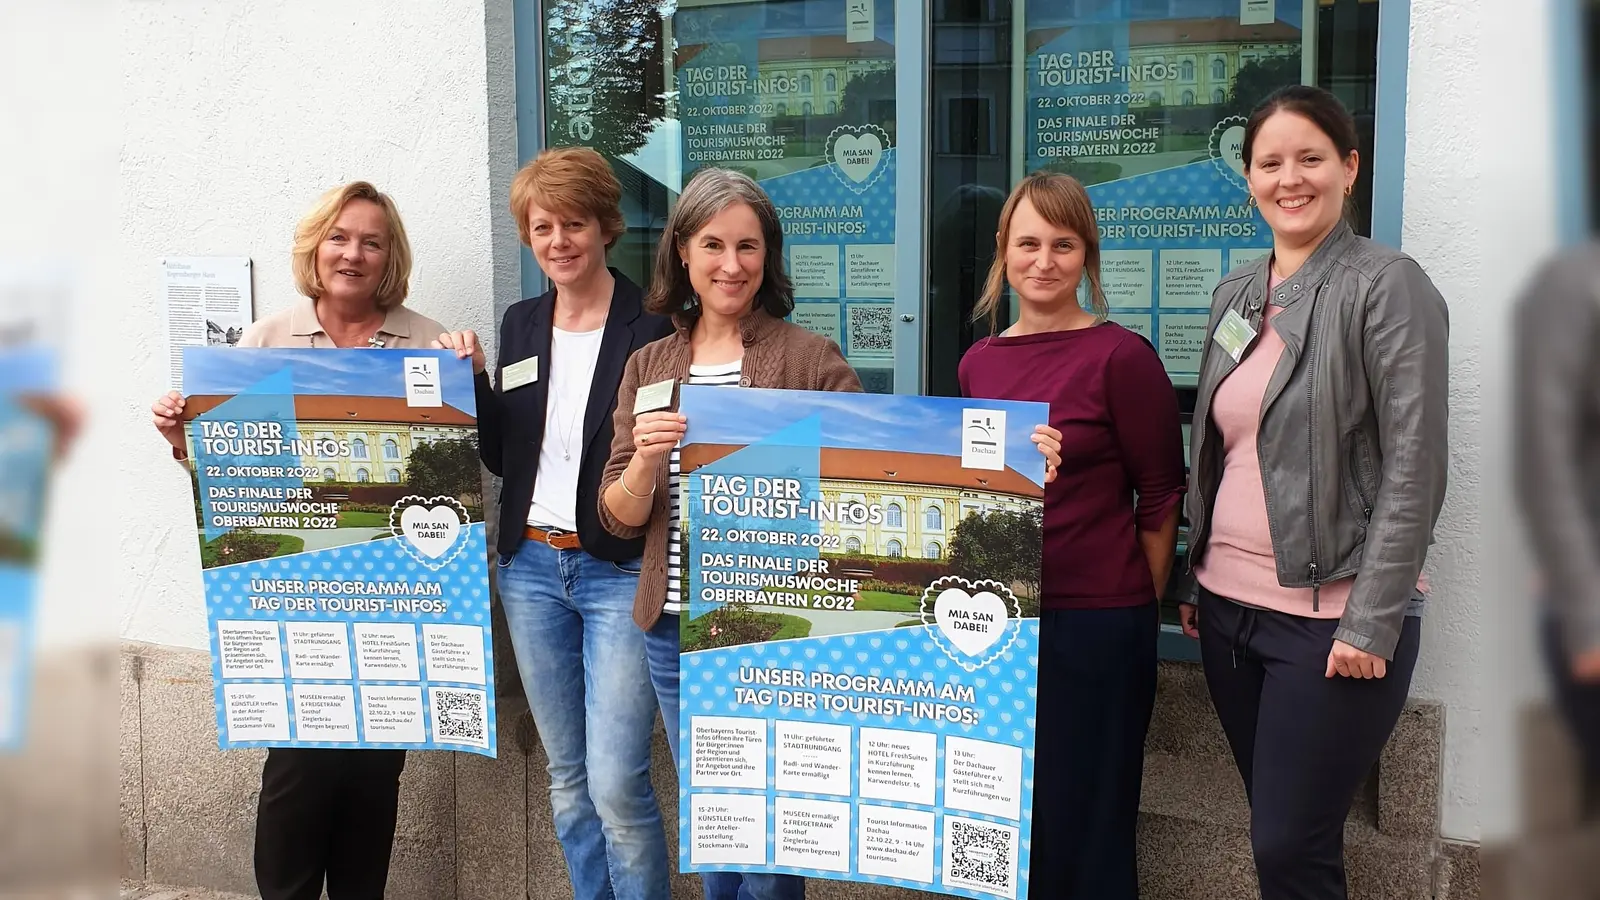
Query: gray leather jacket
[[1353, 437], [1557, 327]]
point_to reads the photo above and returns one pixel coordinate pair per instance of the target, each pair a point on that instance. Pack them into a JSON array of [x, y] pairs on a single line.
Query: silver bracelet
[[623, 480]]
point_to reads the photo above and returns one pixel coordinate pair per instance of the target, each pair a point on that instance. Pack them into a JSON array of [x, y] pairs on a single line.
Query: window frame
[[1575, 214], [914, 57]]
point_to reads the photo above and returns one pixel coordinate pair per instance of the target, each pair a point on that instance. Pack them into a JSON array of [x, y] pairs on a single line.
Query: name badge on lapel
[[519, 373], [1234, 334]]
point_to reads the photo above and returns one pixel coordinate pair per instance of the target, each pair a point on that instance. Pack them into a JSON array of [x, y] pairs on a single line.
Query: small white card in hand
[[519, 373], [653, 396]]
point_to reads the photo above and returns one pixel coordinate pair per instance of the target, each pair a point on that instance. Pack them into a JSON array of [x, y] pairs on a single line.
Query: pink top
[[1239, 563]]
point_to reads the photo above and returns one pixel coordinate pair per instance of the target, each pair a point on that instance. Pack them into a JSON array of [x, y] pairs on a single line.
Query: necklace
[[374, 342], [565, 433]]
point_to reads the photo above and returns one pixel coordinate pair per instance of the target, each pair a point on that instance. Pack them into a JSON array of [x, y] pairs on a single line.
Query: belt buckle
[[550, 537]]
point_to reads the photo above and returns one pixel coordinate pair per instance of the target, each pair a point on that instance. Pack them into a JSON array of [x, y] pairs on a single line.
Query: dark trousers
[[326, 814], [1303, 742], [1097, 688], [1579, 705]]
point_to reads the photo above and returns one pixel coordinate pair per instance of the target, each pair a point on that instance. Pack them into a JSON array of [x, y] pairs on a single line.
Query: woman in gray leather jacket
[[1317, 471]]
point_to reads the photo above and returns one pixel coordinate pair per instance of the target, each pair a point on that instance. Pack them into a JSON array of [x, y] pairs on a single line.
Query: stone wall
[[473, 827]]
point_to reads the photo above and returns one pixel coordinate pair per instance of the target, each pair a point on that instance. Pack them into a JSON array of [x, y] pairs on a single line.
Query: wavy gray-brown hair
[[708, 193]]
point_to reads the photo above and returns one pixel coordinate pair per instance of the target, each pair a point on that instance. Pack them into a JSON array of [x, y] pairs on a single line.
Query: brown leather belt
[[561, 540]]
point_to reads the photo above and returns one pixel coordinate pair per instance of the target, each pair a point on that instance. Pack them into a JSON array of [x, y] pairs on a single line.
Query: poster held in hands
[[339, 512], [860, 640]]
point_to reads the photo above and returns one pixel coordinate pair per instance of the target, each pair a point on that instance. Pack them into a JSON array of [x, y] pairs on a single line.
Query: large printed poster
[[1149, 113], [339, 511], [860, 645], [27, 380], [800, 96]]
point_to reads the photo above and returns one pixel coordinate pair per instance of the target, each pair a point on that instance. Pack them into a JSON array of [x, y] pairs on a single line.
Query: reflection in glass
[[664, 88], [1171, 208], [969, 173]]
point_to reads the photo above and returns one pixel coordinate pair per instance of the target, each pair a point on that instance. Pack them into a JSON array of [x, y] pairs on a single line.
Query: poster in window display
[[800, 96], [1149, 113]]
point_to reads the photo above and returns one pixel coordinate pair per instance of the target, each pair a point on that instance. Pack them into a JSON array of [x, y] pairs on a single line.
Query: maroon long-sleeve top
[[1121, 453]]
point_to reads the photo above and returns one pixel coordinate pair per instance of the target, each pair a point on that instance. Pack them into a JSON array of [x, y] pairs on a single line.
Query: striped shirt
[[721, 374]]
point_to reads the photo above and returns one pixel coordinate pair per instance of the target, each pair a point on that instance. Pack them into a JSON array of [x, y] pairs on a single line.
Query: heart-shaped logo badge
[[857, 153], [1227, 149], [974, 622], [432, 529]]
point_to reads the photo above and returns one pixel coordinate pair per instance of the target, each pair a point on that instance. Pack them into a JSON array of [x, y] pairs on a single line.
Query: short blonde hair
[[314, 229], [571, 180], [1062, 201]]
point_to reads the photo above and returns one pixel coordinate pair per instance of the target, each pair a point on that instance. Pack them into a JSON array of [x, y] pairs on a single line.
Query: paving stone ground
[[135, 891]]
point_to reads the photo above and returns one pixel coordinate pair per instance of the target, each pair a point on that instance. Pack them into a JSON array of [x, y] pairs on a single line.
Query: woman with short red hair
[[566, 583]]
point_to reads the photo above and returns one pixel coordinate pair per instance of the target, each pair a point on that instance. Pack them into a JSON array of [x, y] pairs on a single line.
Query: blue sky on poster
[[354, 373], [1045, 13], [811, 18], [857, 421]]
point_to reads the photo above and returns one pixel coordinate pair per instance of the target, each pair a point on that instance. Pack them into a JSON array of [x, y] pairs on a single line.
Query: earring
[[1349, 188], [1251, 202]]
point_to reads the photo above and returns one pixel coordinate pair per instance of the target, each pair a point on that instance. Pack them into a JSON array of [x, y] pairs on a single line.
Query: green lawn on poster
[[244, 545], [741, 625]]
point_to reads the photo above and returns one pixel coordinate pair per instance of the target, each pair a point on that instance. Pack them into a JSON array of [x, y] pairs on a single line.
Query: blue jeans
[[582, 664], [661, 648]]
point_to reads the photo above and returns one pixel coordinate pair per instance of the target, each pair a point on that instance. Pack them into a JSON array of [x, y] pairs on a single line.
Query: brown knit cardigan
[[777, 354]]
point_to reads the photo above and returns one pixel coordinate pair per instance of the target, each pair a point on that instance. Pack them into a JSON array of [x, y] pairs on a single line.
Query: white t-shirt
[[573, 356], [720, 373]]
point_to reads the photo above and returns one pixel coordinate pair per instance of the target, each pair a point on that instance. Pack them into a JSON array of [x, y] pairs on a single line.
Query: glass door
[[1144, 102], [800, 95]]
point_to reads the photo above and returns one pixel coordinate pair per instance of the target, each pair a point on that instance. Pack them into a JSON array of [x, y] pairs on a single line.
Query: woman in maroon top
[[1106, 554]]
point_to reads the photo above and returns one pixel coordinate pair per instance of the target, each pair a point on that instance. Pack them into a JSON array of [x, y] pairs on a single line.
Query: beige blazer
[[297, 326]]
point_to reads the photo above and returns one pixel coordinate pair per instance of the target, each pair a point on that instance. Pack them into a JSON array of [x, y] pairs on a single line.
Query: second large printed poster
[[860, 646], [340, 516]]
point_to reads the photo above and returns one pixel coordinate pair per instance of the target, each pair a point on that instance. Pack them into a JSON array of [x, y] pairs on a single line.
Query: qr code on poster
[[981, 856], [871, 329], [460, 716]]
